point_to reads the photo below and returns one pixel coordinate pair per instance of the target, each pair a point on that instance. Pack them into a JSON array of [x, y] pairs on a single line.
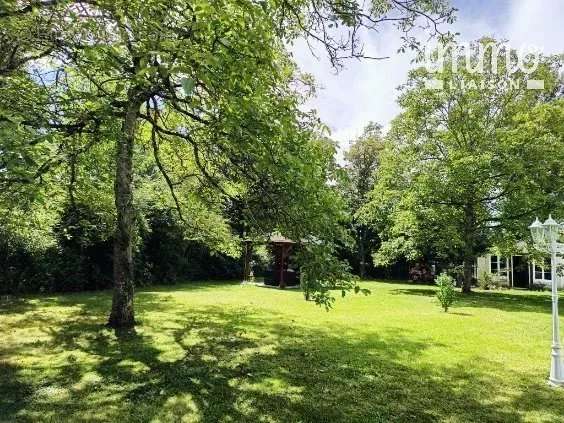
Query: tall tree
[[362, 160], [459, 168]]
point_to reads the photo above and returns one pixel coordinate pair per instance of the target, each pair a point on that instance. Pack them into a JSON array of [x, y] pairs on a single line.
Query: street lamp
[[545, 237]]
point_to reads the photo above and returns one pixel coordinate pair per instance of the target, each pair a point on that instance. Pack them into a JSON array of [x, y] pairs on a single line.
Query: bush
[[21, 264], [491, 281], [501, 282], [421, 273], [167, 257], [445, 291], [83, 260], [486, 281], [80, 256], [538, 287]]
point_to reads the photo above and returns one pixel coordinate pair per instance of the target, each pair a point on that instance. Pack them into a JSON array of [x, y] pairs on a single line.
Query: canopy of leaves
[[470, 164]]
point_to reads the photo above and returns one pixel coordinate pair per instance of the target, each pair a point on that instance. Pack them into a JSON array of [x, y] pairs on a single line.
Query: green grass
[[229, 353]]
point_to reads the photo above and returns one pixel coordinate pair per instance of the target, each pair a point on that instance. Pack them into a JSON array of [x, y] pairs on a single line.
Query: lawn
[[221, 352]]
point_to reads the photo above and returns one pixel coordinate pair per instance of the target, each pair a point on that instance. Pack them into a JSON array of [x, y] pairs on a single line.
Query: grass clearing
[[221, 352]]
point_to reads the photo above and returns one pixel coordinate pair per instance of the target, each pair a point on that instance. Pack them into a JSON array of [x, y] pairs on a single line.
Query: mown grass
[[228, 353]]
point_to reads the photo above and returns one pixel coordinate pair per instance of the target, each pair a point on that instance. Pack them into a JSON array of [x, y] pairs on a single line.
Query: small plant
[[445, 291], [538, 287], [485, 281]]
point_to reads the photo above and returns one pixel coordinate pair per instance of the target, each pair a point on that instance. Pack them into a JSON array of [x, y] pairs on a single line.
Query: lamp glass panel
[[551, 228], [537, 232], [538, 235]]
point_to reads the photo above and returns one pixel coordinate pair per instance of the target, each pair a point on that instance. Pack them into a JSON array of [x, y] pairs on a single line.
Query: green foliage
[[457, 173], [84, 249], [79, 255], [356, 182], [166, 255], [21, 271], [486, 281], [321, 273], [362, 159], [445, 290]]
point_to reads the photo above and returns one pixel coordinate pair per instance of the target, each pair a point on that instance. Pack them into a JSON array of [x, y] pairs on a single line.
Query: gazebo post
[[281, 248], [282, 283]]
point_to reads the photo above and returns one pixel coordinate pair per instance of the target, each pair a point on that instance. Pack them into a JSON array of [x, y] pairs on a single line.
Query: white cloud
[[362, 91], [538, 23], [366, 90]]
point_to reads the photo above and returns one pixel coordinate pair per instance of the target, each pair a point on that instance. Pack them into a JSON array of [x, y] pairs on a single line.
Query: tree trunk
[[469, 247], [248, 253], [468, 274], [361, 253], [122, 315]]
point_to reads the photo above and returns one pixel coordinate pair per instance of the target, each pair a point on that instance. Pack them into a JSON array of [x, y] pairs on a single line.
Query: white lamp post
[[545, 236]]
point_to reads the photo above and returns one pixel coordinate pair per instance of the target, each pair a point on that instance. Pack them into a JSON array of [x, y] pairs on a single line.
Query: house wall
[[559, 279], [483, 265]]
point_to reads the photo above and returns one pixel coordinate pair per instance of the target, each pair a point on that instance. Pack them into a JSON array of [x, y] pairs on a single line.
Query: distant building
[[518, 270]]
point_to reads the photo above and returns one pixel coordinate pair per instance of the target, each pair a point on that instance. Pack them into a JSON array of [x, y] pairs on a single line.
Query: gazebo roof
[[279, 239]]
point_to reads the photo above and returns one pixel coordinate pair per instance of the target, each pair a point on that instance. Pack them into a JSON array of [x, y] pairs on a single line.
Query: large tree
[[463, 165], [210, 78], [361, 163]]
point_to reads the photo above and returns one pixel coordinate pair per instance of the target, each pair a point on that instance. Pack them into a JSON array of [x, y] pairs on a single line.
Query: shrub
[[83, 260], [538, 287], [80, 255], [21, 264], [445, 291], [486, 281], [167, 257], [456, 271], [421, 273], [492, 281]]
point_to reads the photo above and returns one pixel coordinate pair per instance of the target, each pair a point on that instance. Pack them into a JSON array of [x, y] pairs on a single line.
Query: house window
[[538, 272], [502, 267], [493, 264], [542, 270], [498, 265]]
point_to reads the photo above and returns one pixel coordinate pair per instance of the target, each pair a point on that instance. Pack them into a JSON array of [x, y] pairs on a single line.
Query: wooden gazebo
[[281, 274]]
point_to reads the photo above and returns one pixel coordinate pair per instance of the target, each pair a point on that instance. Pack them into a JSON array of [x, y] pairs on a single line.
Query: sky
[[367, 90]]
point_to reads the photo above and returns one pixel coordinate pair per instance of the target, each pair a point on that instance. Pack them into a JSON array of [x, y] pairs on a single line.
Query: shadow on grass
[[191, 286], [401, 282], [240, 364], [18, 304], [504, 300], [458, 313]]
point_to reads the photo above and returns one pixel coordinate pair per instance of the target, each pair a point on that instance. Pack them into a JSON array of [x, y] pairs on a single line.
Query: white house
[[517, 271]]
